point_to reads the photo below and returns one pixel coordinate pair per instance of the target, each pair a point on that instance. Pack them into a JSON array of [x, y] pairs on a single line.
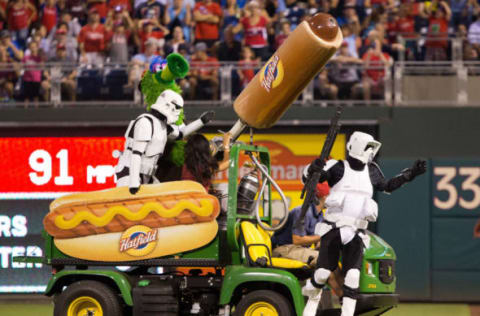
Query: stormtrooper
[[145, 141], [349, 209]]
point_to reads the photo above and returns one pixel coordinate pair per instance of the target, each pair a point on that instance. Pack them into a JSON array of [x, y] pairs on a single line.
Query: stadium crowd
[[93, 33]]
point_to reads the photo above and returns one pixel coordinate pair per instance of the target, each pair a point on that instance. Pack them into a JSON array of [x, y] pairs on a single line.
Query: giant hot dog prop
[[112, 225], [302, 56]]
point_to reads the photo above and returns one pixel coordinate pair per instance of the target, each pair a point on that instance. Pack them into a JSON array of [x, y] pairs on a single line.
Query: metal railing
[[405, 83], [117, 84]]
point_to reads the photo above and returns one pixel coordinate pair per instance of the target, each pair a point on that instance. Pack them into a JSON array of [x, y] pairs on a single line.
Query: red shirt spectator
[[405, 26], [207, 66], [280, 38], [207, 14], [100, 6], [148, 32], [248, 63], [376, 60], [20, 15], [49, 13], [255, 34], [437, 27], [92, 36]]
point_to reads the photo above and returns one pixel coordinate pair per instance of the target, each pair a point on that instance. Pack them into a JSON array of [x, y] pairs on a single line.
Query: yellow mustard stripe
[[205, 209]]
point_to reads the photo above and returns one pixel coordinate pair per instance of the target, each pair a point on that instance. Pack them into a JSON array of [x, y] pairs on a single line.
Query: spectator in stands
[[140, 62], [474, 33], [344, 71], [470, 53], [92, 40], [3, 13], [294, 12], [459, 12], [151, 10], [323, 88], [119, 15], [77, 9], [254, 24], [353, 41], [69, 42], [8, 77], [204, 74], [436, 46], [20, 14], [282, 36], [13, 49], [49, 14], [117, 44], [100, 6], [247, 66], [405, 27], [150, 28], [32, 76], [373, 80], [73, 24], [207, 15], [229, 49], [68, 77], [127, 4], [350, 18], [231, 16], [177, 40], [180, 15]]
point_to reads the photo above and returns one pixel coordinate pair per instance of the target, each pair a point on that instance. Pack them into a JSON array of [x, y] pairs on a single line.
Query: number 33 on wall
[[445, 184]]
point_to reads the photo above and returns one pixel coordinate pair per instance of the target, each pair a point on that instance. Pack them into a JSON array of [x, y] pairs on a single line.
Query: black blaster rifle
[[310, 186]]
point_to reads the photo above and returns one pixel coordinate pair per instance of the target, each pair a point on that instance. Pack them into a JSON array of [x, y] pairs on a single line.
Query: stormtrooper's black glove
[[207, 116], [317, 166], [419, 167]]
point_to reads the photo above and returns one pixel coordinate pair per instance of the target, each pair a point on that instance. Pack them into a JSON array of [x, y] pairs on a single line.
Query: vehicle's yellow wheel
[[263, 303], [85, 305], [88, 298], [261, 309]]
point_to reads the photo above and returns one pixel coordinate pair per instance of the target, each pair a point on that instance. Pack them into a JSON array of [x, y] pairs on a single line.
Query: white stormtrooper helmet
[[363, 147], [170, 104]]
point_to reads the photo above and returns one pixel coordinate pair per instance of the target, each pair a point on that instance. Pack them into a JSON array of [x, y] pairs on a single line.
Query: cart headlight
[[368, 268]]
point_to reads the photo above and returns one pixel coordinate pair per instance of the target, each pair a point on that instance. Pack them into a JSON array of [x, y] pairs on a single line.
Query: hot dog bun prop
[[111, 225], [298, 60]]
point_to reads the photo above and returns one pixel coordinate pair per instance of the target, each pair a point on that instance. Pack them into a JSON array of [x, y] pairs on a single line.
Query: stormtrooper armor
[[145, 140], [177, 132], [349, 209]]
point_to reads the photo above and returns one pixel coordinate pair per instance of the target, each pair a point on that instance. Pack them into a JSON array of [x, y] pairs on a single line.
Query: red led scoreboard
[[34, 171]]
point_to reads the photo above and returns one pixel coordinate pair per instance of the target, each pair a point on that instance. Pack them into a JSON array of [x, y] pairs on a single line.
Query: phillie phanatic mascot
[[349, 209]]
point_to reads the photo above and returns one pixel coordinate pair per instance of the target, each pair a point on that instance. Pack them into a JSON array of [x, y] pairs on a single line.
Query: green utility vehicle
[[234, 274]]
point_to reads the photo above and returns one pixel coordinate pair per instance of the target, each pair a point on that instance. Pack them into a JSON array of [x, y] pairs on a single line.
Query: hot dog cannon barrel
[[281, 80]]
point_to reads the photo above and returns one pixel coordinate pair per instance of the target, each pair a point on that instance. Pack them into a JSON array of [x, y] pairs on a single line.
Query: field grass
[[46, 309], [34, 309], [416, 309]]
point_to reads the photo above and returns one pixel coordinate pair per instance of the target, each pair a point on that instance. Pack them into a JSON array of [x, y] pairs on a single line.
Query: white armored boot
[[314, 295], [348, 306]]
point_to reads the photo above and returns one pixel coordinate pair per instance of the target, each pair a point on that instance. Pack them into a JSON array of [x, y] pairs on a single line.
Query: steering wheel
[[263, 169]]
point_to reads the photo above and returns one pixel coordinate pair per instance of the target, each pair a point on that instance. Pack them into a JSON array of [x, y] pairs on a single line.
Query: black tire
[[278, 301], [95, 290]]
